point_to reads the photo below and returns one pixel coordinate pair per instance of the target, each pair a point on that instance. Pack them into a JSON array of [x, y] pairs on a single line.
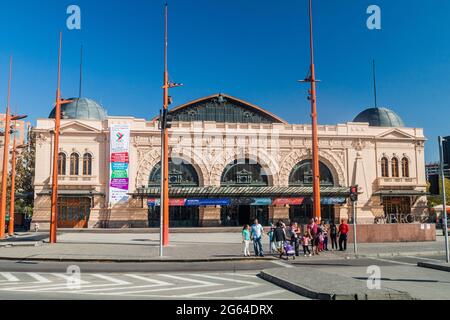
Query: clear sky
[[252, 49]]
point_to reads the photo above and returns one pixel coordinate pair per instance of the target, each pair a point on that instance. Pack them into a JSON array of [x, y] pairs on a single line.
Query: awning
[[256, 192], [413, 193], [72, 193]]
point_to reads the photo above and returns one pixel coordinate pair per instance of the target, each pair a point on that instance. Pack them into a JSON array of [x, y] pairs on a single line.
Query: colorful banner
[[289, 201], [172, 202], [119, 163]]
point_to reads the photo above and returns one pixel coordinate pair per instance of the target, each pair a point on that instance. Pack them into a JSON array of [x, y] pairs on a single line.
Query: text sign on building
[[119, 161]]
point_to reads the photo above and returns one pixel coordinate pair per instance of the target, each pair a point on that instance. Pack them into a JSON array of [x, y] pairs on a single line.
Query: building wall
[[352, 151]]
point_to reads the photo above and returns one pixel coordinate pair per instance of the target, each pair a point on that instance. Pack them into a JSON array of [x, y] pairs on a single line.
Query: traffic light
[[165, 120], [434, 184], [354, 193]]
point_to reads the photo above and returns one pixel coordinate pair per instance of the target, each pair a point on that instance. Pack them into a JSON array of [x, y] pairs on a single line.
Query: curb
[[156, 260], [436, 266], [398, 254], [317, 295], [21, 244]]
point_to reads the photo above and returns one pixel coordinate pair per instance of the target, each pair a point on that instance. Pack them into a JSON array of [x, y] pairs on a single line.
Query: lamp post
[[59, 102], [315, 139], [5, 158], [13, 179], [444, 200]]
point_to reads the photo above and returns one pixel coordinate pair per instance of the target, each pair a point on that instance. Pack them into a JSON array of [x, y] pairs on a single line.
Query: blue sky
[[253, 49]]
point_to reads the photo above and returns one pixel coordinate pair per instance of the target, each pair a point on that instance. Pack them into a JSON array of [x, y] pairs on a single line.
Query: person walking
[[246, 240], [272, 247], [279, 236], [333, 236], [343, 235], [293, 237], [257, 232]]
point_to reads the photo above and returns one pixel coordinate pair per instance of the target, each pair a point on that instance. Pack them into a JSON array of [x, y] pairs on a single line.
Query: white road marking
[[286, 265], [38, 277], [111, 279], [203, 293], [9, 276], [68, 277], [160, 289], [397, 262], [188, 279], [422, 258], [264, 294], [156, 282], [225, 279]]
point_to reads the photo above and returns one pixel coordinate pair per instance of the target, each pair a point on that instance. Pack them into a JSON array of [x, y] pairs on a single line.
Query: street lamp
[[13, 178], [444, 200]]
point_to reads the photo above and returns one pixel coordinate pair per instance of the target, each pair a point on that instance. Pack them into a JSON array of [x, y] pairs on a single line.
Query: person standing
[[305, 244], [279, 236], [333, 236], [343, 235], [272, 247], [246, 240], [257, 232], [313, 234], [325, 231]]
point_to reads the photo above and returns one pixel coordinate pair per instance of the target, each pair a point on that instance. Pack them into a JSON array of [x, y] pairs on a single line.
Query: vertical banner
[[119, 161]]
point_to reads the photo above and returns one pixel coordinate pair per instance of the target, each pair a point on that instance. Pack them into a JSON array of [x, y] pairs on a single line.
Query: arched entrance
[[244, 173], [181, 174], [302, 175]]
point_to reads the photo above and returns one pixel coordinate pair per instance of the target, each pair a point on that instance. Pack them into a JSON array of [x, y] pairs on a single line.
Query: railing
[[394, 181]]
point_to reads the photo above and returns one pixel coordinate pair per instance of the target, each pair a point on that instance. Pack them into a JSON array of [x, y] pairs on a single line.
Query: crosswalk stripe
[[111, 279], [286, 265], [264, 294], [156, 282], [9, 276], [206, 293], [38, 277], [162, 289], [68, 277], [187, 279], [395, 262], [224, 279]]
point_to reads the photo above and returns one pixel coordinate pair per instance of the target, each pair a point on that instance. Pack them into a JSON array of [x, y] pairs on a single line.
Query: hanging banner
[[207, 202], [119, 163], [251, 202], [172, 202], [289, 201], [331, 201]]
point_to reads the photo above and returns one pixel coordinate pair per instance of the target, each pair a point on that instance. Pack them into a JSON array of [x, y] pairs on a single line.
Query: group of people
[[314, 239]]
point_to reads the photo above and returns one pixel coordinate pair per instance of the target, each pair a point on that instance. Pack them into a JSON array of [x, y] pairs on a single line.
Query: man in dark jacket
[[279, 237]]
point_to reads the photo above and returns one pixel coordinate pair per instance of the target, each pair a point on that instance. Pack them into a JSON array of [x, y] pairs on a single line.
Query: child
[[305, 244], [246, 239]]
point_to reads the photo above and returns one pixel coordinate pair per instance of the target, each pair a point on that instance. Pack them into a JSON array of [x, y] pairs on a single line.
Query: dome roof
[[82, 109], [380, 117]]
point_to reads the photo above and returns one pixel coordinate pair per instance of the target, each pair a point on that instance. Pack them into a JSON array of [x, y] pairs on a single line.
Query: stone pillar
[[279, 212], [209, 216]]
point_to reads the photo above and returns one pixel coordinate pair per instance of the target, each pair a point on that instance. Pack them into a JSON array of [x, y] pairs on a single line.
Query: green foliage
[[437, 200]]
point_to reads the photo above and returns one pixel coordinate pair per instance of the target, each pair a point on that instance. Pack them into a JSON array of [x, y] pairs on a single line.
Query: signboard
[[289, 201], [207, 202], [172, 202], [119, 163]]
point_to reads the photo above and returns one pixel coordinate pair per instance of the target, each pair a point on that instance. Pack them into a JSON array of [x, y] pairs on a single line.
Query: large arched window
[[62, 164], [181, 174], [405, 167], [87, 164], [244, 173], [74, 164], [302, 174], [394, 164], [384, 167]]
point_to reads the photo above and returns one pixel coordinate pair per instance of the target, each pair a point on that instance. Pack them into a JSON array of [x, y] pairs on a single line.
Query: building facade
[[230, 162]]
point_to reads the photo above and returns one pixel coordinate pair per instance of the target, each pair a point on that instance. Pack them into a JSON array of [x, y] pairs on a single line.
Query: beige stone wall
[[352, 151]]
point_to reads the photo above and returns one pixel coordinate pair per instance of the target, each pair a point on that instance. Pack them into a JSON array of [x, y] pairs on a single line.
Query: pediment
[[395, 134], [78, 127]]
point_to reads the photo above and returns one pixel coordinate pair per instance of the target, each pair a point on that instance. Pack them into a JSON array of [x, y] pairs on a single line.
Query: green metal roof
[[214, 192]]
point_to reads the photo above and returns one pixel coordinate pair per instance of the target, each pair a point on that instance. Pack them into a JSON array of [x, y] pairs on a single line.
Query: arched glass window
[[302, 174], [181, 174], [87, 164], [394, 164], [74, 164], [244, 173], [62, 164], [384, 167], [405, 167]]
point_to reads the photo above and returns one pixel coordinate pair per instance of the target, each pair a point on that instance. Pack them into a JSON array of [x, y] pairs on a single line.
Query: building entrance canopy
[[216, 192]]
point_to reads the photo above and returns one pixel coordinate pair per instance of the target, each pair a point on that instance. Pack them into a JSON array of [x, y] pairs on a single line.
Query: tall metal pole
[[5, 157], [315, 138], [13, 188], [374, 83], [54, 203], [444, 200], [355, 246], [164, 208]]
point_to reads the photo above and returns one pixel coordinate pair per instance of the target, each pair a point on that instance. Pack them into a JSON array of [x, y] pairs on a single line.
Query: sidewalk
[[184, 247]]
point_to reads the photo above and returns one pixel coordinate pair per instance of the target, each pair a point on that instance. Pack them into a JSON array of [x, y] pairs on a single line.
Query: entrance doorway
[[303, 213], [73, 212], [179, 217], [239, 215]]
